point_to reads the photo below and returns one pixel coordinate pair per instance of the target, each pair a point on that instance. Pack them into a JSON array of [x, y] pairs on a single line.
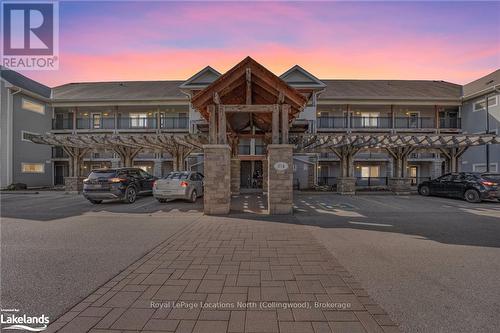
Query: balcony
[[360, 122], [123, 123]]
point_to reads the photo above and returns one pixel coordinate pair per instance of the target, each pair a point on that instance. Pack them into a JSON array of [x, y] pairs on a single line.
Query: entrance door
[[251, 174], [60, 171], [413, 172]]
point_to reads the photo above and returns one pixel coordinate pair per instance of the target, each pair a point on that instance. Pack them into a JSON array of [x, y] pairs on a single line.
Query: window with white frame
[[29, 105], [370, 171], [370, 119], [32, 167], [481, 104], [481, 167], [138, 120], [26, 136]]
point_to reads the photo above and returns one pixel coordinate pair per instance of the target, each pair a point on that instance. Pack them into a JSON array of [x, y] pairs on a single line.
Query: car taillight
[[116, 180], [487, 183], [154, 184], [184, 184]]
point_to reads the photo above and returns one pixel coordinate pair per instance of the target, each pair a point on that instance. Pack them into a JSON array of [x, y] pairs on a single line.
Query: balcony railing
[[62, 123], [332, 122], [386, 122], [108, 123], [174, 122], [58, 152], [371, 181], [450, 123]]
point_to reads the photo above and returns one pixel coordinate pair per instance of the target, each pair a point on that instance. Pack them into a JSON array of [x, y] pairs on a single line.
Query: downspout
[[10, 126]]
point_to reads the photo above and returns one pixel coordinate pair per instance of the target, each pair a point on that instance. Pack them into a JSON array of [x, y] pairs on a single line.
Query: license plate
[[94, 186]]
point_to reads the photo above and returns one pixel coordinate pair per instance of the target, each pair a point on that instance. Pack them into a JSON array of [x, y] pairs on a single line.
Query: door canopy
[[250, 83]]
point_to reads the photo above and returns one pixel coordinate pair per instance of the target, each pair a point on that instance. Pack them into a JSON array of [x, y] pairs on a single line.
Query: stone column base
[[280, 179], [346, 185], [73, 184], [217, 171], [235, 176], [400, 185]]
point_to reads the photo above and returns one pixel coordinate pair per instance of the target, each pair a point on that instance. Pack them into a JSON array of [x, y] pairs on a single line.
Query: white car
[[186, 185]]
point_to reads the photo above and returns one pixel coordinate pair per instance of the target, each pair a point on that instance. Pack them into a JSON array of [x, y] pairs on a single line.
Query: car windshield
[[177, 175], [492, 176], [102, 174]]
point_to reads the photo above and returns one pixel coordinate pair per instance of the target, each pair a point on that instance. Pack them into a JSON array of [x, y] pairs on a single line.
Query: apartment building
[[334, 107], [481, 114]]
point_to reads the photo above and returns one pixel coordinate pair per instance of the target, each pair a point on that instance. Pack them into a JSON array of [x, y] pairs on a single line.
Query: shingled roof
[[391, 90], [483, 85], [125, 90], [23, 82]]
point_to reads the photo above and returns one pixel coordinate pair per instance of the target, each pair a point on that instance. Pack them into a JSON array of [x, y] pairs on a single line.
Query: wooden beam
[[221, 137], [285, 110], [276, 124], [212, 125], [248, 108], [249, 86]]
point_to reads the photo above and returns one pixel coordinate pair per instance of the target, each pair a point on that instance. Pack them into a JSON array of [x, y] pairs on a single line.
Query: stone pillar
[[235, 176], [73, 184], [217, 172], [264, 175], [157, 167], [346, 185], [280, 179], [400, 185]]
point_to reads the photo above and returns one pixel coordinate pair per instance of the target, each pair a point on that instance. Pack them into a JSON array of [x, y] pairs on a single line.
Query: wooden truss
[[399, 147], [127, 146]]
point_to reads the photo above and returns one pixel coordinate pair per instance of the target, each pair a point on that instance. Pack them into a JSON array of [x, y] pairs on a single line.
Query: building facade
[[163, 107]]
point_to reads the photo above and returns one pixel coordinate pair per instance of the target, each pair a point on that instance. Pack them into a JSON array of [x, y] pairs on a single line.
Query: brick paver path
[[231, 274]]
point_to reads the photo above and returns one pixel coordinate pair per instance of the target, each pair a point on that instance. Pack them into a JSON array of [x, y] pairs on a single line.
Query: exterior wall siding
[[28, 152]]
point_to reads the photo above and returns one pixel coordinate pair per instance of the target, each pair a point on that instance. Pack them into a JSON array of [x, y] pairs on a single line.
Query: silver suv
[[186, 185]]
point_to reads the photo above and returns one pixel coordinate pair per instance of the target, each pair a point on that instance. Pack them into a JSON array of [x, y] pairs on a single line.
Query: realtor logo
[[30, 32]]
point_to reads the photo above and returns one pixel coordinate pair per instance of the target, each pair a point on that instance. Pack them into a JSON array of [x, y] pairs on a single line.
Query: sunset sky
[[452, 41]]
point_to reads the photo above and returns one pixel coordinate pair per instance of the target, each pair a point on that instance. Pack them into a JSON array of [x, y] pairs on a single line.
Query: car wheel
[[424, 190], [472, 196], [194, 196], [95, 202], [130, 195]]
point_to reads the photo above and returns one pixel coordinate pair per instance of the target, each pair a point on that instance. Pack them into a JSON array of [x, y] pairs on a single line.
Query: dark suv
[[122, 183], [470, 186]]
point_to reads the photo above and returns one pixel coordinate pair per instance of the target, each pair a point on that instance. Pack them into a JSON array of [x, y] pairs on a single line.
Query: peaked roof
[[298, 77], [201, 79], [118, 91], [482, 85], [24, 82], [266, 88], [392, 90]]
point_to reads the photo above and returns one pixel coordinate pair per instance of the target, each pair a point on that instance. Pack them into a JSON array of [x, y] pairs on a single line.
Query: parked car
[[186, 185], [121, 184], [470, 186]]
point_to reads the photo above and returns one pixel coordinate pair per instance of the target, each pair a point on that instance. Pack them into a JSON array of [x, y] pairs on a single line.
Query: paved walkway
[[231, 274]]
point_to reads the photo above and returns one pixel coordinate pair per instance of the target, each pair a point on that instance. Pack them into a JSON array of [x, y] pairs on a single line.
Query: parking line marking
[[372, 224]]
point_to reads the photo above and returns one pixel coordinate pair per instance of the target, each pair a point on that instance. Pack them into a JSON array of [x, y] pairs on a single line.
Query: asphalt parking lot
[[431, 263], [58, 248]]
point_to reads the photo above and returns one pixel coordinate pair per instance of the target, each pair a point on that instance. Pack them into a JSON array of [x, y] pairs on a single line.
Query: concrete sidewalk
[[231, 274]]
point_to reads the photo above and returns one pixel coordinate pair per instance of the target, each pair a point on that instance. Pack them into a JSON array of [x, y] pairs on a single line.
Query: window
[[370, 171], [370, 119], [481, 167], [481, 105], [32, 106], [26, 136], [138, 120], [96, 120], [32, 167]]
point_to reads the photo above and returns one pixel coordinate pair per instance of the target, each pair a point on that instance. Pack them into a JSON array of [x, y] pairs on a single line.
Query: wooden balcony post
[[275, 124], [285, 110]]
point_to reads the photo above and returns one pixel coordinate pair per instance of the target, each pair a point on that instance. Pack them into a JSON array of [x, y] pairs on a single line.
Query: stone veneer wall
[[217, 169], [280, 182], [73, 184], [235, 175]]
